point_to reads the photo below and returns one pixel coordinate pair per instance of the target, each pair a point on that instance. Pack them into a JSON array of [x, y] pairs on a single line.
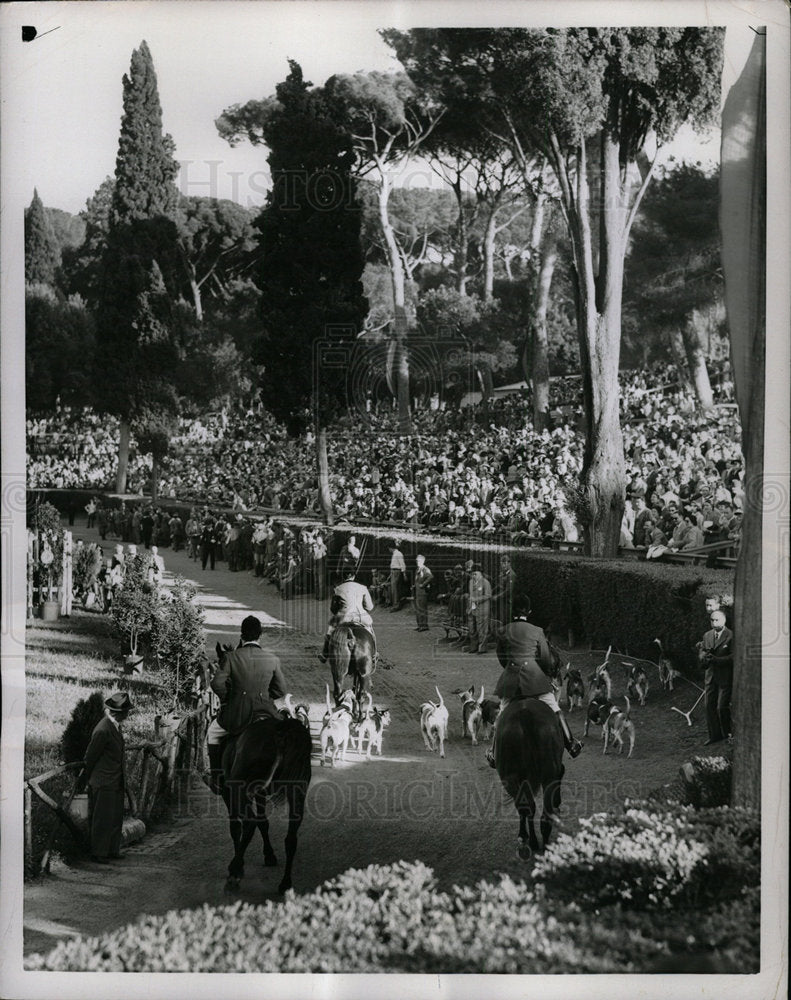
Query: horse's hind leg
[[295, 794], [242, 830], [551, 808], [259, 805], [526, 806]]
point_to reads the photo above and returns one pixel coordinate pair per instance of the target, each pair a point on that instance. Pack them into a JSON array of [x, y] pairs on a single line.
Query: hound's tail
[[441, 702], [480, 696]]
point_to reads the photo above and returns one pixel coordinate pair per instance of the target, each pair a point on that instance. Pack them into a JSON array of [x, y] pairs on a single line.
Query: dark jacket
[[247, 680], [104, 758], [523, 652], [719, 662]]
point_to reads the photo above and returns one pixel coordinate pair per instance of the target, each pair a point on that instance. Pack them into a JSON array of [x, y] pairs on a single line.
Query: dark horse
[[529, 757], [352, 651], [268, 757]]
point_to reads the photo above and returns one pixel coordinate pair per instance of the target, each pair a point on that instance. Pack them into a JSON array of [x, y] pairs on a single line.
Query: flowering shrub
[[695, 874], [640, 859], [708, 781], [379, 918]]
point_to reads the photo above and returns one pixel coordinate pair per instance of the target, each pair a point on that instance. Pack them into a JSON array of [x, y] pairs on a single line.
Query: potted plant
[[49, 558]]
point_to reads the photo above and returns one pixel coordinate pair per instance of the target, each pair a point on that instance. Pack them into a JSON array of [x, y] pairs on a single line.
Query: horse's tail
[[628, 706], [293, 758]]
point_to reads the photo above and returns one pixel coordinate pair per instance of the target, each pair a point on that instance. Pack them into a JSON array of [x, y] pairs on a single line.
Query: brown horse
[[268, 757], [352, 651]]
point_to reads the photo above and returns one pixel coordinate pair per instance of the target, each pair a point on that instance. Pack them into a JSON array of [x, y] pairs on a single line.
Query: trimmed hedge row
[[702, 914]]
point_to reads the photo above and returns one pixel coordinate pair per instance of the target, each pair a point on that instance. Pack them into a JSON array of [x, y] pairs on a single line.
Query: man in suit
[[397, 572], [103, 773], [247, 681], [423, 577], [480, 594], [716, 654]]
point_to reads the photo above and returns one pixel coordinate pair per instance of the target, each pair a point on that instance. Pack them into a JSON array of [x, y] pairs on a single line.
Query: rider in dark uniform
[[526, 658]]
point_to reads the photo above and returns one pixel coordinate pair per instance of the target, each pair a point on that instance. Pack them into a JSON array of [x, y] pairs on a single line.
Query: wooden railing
[[178, 746]]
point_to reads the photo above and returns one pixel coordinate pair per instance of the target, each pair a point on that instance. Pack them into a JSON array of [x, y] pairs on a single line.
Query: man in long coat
[[103, 773], [526, 659], [716, 654], [247, 681]]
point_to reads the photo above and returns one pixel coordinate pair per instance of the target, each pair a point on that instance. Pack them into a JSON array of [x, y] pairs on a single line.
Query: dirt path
[[409, 804]]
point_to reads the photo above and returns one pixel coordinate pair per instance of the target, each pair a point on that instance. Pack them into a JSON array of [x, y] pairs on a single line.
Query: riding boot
[[215, 777], [574, 747], [326, 650]]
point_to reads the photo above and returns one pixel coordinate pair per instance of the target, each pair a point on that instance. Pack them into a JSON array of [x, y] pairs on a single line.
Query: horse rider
[[247, 681], [524, 653], [351, 602]]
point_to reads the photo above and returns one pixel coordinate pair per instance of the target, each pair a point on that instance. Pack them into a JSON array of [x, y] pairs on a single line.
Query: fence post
[[65, 600]]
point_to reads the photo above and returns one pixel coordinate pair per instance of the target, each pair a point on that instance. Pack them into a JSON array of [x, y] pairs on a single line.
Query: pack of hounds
[[361, 725]]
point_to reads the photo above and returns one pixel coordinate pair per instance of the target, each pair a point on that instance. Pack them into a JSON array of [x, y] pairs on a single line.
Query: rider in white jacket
[[351, 602]]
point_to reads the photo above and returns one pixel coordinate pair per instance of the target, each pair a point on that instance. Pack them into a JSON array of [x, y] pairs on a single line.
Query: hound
[[471, 713], [299, 712], [336, 729], [667, 672], [617, 724], [575, 689], [637, 685], [372, 727], [490, 709], [434, 724]]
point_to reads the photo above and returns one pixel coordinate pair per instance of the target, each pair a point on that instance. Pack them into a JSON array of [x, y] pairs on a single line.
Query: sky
[[207, 56]]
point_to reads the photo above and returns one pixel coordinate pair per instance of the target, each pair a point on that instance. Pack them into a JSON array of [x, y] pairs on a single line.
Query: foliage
[[44, 520], [60, 345], [77, 734], [177, 637], [710, 784], [311, 259], [86, 563], [393, 918], [134, 608], [42, 253]]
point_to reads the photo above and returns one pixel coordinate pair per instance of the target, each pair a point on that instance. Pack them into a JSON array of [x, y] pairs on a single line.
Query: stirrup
[[574, 748]]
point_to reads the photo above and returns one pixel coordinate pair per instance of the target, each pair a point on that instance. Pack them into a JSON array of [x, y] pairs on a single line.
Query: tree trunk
[[325, 498], [599, 330], [697, 366], [399, 301], [460, 252], [196, 299], [540, 340], [487, 387], [676, 339], [123, 457], [154, 478], [488, 256]]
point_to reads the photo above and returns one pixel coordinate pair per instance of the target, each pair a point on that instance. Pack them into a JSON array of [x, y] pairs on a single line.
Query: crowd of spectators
[[485, 473]]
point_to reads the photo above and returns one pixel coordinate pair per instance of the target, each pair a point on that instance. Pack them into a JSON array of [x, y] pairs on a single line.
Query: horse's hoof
[[270, 861], [231, 884], [523, 851]]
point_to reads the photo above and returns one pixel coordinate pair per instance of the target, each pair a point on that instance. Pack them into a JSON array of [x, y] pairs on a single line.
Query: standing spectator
[[156, 570], [480, 594], [193, 531], [397, 572], [423, 578], [101, 522], [641, 516], [348, 558], [259, 548], [716, 655], [136, 520], [319, 554], [147, 527], [503, 592], [90, 507], [103, 773], [176, 532], [207, 544], [233, 544]]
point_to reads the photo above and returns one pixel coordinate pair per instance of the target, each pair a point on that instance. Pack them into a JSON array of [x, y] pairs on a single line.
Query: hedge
[[603, 602], [393, 918]]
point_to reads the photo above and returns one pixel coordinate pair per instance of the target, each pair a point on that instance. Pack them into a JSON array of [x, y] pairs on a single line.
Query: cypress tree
[[135, 369], [42, 255]]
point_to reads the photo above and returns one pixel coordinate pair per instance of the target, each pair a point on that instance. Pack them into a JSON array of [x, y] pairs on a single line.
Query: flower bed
[[693, 876]]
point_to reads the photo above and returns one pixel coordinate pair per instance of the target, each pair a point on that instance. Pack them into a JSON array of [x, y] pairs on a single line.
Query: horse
[[270, 756], [352, 651], [529, 757]]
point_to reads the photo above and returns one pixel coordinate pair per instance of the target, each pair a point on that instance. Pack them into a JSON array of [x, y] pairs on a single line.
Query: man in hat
[[351, 602], [348, 558], [527, 661], [103, 773], [247, 681], [480, 595]]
